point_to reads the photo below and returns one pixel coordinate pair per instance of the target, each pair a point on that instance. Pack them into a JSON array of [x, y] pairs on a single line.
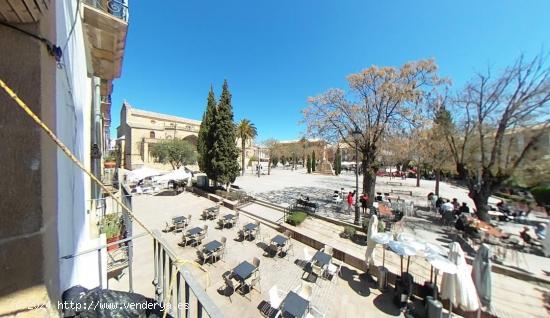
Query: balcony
[[106, 27], [21, 11]]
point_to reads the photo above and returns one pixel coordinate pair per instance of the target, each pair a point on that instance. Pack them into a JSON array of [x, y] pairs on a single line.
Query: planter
[[109, 164], [111, 240]]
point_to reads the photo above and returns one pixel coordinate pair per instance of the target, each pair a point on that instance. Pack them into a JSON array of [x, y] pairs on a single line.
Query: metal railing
[[116, 8], [187, 296]]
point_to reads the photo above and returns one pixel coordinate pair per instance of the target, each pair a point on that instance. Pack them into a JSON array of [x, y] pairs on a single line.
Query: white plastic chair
[[275, 297], [314, 313], [333, 269], [307, 255], [305, 292]]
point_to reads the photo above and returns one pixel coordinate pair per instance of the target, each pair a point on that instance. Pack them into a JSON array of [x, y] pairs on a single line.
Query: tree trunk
[[437, 178], [481, 200], [369, 178], [242, 155], [418, 176], [269, 165]]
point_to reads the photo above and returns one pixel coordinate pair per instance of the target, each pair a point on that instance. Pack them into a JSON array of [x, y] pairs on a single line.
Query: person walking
[[364, 202], [350, 201]]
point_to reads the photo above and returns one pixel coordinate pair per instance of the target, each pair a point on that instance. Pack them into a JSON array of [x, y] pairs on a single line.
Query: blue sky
[[275, 54]]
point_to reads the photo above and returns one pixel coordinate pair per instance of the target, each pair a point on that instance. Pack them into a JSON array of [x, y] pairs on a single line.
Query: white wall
[[73, 102]]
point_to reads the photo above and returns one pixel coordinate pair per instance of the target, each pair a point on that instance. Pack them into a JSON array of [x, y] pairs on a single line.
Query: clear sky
[[275, 54]]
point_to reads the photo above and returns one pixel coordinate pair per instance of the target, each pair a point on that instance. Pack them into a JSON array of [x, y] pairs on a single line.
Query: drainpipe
[[96, 135]]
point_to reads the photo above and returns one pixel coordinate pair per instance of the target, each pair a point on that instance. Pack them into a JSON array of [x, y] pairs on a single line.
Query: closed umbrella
[[383, 239], [440, 264], [459, 288], [371, 244], [481, 274]]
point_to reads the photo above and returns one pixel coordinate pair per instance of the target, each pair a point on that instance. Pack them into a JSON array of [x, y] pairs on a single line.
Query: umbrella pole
[[431, 274], [383, 255], [435, 284], [401, 266], [408, 263]]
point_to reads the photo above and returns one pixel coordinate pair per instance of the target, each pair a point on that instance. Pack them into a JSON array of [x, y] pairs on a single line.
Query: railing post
[[100, 266], [156, 272]]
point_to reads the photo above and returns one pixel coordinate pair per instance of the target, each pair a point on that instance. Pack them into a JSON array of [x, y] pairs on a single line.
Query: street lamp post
[[356, 134]]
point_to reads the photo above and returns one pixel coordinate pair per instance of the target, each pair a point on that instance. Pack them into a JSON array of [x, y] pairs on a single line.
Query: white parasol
[[383, 239], [402, 249]]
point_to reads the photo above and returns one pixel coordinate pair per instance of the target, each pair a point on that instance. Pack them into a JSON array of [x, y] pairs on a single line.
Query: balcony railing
[[184, 289], [116, 8]]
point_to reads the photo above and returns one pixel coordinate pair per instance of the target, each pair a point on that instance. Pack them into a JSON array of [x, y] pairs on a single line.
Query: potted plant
[[112, 227], [349, 232], [110, 159]]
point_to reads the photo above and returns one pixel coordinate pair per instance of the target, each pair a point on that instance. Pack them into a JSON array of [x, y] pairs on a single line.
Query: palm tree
[[245, 130]]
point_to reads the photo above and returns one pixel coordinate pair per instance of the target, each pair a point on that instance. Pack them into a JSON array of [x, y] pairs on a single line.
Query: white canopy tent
[[176, 175], [142, 173]]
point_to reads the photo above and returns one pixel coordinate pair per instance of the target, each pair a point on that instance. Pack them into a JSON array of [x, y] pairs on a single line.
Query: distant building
[[141, 129]]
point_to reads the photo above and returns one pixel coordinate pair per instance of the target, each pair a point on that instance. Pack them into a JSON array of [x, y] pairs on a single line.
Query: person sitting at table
[[525, 236], [464, 208], [461, 223], [456, 205], [438, 202], [540, 231], [447, 207], [503, 207]]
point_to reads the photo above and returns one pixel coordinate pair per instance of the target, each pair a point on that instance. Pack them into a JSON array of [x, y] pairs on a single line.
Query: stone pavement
[[351, 295]]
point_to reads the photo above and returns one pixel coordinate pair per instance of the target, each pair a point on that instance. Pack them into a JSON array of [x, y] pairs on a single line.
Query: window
[[152, 135]]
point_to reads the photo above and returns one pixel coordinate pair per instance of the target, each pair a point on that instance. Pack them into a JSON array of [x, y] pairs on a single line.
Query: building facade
[[60, 57], [140, 129]]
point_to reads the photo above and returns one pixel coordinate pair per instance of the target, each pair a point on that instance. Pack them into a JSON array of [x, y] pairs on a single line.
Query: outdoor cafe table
[[279, 240], [250, 227], [294, 305], [212, 246], [243, 270], [194, 231], [487, 228], [228, 217], [178, 220], [322, 258]]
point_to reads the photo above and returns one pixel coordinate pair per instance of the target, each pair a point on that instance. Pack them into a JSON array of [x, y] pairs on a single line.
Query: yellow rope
[[177, 263]]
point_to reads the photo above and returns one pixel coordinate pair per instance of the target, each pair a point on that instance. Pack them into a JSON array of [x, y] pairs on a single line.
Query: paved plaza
[[357, 296]]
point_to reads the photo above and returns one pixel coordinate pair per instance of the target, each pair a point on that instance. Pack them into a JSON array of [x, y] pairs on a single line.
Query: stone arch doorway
[[192, 139]]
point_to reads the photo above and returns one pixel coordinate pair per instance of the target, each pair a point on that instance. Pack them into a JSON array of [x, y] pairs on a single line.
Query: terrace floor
[[351, 295]]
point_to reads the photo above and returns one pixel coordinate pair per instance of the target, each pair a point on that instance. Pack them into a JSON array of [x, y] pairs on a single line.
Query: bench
[[394, 183], [405, 192], [310, 207]]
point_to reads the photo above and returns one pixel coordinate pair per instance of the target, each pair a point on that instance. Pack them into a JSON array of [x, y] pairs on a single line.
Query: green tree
[[204, 142], [245, 130], [308, 164], [313, 161], [177, 152], [223, 153]]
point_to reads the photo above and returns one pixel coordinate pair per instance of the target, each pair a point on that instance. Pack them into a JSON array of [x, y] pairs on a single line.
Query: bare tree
[[498, 122], [380, 99], [271, 145]]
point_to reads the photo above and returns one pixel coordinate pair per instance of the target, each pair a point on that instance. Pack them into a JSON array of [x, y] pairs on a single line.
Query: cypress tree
[[313, 161], [308, 164], [204, 141], [224, 153]]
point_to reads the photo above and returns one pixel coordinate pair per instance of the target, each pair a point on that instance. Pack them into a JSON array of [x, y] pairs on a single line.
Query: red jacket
[[350, 199]]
